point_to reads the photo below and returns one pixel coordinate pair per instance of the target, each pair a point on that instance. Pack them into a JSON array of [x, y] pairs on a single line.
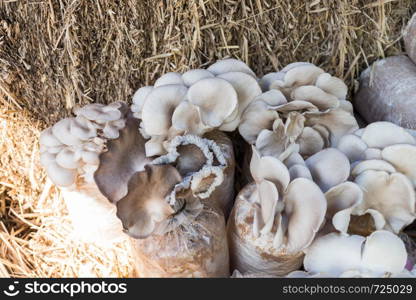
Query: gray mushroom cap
[[329, 168]]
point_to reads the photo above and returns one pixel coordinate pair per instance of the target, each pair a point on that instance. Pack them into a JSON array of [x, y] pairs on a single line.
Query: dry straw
[[58, 54]]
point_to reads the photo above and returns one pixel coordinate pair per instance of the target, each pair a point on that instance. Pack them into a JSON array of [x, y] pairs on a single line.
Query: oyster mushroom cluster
[[162, 175], [381, 254], [72, 146], [195, 102], [301, 106], [275, 218], [382, 178]]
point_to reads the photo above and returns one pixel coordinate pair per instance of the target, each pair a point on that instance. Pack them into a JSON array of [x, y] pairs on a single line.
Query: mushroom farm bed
[[58, 56]]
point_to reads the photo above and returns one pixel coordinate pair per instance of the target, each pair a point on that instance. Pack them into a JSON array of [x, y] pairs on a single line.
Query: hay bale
[[55, 55], [58, 54]]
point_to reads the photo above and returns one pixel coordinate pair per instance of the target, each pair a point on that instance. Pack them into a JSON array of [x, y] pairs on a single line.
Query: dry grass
[[56, 54]]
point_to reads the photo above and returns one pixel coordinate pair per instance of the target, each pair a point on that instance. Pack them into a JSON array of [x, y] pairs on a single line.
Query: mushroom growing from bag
[[174, 209], [380, 193], [381, 254], [195, 102], [301, 104], [276, 217], [70, 153]]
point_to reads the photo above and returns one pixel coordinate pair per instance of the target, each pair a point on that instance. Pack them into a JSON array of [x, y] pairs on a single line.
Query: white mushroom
[[169, 78], [332, 85], [62, 132], [304, 206], [353, 147], [403, 158], [216, 99], [159, 106], [380, 254], [372, 164], [390, 194], [383, 134], [247, 89], [328, 167], [139, 99], [230, 65], [256, 117], [59, 175], [192, 76], [316, 96], [275, 218], [187, 119]]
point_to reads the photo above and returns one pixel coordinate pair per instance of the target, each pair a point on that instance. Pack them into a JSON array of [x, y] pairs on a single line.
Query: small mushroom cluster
[[275, 218], [72, 146], [381, 194], [381, 254], [327, 208], [301, 106], [195, 102], [174, 209]]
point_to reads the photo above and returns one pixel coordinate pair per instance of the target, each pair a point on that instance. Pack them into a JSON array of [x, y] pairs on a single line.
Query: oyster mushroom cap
[[332, 85], [192, 76], [390, 194], [125, 156], [155, 146], [372, 153], [269, 168], [145, 206], [216, 99], [255, 118], [269, 196], [187, 118], [247, 89], [272, 98], [316, 96], [310, 141], [403, 158], [297, 75], [169, 78], [341, 200], [62, 131], [139, 99], [346, 106], [384, 252], [329, 168], [294, 159], [372, 164], [337, 121], [305, 206], [299, 171], [68, 159], [352, 146], [334, 254], [383, 134], [230, 65], [83, 128], [48, 139], [269, 78], [295, 65], [59, 175], [159, 106]]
